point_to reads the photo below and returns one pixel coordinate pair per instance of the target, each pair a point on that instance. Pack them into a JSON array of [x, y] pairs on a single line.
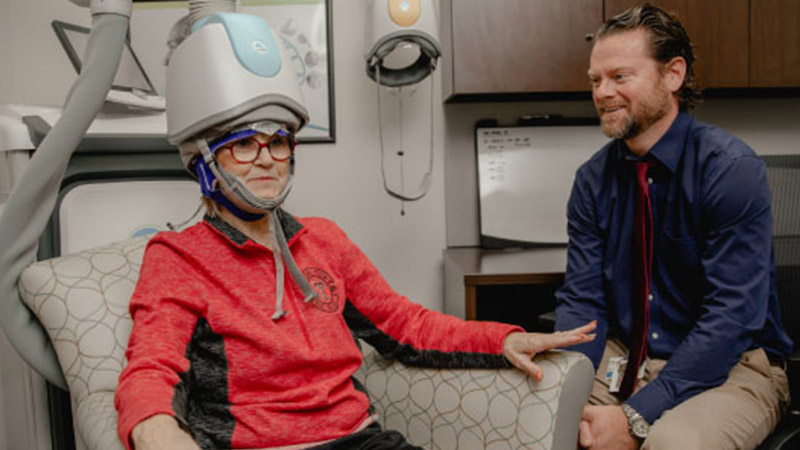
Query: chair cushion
[[82, 302]]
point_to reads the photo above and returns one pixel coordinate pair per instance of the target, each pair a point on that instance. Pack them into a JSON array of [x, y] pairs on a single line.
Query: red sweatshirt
[[204, 347]]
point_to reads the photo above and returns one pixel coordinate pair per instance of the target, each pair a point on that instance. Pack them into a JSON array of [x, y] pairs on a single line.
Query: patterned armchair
[[82, 301]]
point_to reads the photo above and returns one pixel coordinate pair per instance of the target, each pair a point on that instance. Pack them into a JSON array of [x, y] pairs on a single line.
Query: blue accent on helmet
[[216, 144], [207, 178], [252, 40]]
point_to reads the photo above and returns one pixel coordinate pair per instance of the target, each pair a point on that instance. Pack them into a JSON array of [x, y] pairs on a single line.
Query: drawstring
[[281, 253]]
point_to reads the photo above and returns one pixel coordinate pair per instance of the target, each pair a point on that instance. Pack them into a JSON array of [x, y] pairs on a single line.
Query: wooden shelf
[[468, 268]]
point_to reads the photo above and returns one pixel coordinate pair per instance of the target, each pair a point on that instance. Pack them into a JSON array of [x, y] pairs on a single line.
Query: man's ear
[[674, 73]]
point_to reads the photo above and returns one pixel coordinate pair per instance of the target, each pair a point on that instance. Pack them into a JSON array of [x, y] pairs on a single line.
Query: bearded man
[[670, 249]]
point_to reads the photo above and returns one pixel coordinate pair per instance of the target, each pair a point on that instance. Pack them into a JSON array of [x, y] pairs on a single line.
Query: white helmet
[[232, 70]]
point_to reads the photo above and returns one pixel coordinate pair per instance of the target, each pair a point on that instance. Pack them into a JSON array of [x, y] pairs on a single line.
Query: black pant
[[370, 438]]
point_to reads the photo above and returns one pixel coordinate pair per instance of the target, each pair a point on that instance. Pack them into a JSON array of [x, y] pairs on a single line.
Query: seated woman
[[226, 351], [219, 357]]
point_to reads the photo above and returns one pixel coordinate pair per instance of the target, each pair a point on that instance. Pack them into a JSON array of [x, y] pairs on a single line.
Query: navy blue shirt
[[713, 275]]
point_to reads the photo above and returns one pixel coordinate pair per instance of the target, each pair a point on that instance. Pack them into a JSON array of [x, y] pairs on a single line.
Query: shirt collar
[[669, 149], [291, 228]]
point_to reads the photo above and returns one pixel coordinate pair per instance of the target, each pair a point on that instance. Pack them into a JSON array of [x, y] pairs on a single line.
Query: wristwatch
[[636, 423]]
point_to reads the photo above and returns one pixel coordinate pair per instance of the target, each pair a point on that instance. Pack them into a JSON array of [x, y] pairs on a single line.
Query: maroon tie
[[643, 261]]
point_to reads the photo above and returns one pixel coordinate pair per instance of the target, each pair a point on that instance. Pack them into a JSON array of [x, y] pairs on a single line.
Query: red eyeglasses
[[245, 148]]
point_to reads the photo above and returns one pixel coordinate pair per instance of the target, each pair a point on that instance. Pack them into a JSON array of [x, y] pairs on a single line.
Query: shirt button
[[654, 335], [649, 180], [650, 297]]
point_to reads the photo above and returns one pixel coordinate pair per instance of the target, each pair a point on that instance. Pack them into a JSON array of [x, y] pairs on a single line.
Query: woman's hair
[[668, 39], [212, 207]]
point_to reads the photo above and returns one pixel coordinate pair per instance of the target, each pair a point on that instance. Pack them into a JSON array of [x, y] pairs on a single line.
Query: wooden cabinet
[[515, 46], [500, 47], [718, 29], [775, 43]]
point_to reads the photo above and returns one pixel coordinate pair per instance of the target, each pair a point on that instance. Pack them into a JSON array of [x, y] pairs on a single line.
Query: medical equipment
[[131, 89], [22, 224], [403, 51]]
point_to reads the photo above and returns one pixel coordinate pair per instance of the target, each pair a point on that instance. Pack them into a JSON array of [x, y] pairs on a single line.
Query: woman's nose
[[264, 156]]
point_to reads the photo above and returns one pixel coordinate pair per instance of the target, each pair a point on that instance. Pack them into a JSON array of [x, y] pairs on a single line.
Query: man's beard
[[650, 110]]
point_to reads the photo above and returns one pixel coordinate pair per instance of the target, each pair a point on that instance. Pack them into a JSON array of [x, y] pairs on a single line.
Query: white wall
[[36, 70], [6, 49]]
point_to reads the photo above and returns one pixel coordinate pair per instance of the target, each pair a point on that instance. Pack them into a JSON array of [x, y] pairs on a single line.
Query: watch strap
[[637, 425]]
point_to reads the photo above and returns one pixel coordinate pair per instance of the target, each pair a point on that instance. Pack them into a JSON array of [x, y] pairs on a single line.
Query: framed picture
[[304, 26]]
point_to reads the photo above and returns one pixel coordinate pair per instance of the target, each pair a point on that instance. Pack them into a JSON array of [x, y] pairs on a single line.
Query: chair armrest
[[96, 420], [480, 408]]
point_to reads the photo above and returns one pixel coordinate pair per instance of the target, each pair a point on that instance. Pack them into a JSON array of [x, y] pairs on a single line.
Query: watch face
[[640, 428]]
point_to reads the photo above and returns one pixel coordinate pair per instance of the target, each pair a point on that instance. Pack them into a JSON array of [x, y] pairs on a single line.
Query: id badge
[[616, 370]]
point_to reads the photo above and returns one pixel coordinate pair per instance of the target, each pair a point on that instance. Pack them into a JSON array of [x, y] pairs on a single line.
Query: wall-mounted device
[[403, 48]]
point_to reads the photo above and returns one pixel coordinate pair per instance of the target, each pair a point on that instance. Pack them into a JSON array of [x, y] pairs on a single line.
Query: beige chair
[[82, 300]]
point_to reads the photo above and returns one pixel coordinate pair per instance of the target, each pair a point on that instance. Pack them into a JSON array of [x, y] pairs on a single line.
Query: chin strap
[[210, 190], [242, 198]]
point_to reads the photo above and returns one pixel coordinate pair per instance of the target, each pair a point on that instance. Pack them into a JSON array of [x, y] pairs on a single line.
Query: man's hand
[[161, 432], [520, 348], [605, 428]]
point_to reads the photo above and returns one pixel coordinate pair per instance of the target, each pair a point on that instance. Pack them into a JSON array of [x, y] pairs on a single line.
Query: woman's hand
[[161, 432], [520, 348]]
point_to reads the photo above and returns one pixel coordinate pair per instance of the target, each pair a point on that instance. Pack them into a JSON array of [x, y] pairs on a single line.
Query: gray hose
[[200, 9], [31, 203]]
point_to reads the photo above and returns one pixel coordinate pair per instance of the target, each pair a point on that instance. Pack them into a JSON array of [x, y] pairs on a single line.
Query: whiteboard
[[525, 176]]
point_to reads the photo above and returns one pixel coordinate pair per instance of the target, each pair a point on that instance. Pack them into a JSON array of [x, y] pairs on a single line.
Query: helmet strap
[[209, 190]]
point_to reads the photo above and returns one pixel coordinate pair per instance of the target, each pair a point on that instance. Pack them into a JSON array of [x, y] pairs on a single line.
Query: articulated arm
[[32, 201]]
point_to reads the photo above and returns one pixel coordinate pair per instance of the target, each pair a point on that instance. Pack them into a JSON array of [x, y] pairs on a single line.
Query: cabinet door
[[505, 46], [719, 31], [775, 40]]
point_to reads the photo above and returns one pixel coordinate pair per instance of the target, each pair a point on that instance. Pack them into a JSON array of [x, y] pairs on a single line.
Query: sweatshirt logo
[[327, 293]]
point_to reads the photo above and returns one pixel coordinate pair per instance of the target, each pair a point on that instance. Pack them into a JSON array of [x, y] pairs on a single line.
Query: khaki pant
[[739, 414]]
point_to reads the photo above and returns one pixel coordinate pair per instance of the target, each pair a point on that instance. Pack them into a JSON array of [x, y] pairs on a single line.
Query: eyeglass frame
[[227, 141]]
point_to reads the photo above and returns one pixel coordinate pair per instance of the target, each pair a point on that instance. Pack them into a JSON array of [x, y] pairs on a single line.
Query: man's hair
[[668, 39]]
